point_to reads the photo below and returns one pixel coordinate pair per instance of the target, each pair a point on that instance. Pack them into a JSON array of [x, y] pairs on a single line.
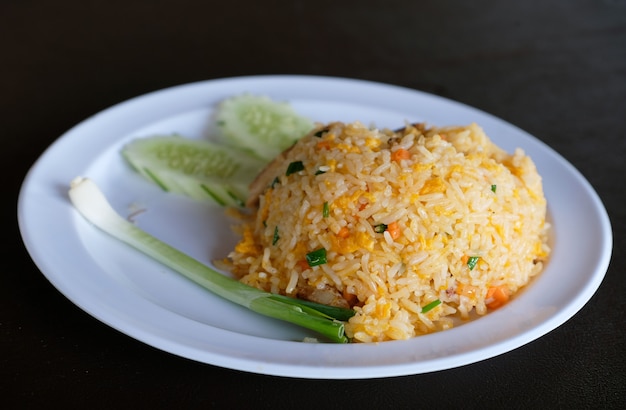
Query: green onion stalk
[[325, 320]]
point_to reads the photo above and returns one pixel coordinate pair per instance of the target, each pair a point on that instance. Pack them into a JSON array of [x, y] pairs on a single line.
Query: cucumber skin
[[260, 125], [196, 168]]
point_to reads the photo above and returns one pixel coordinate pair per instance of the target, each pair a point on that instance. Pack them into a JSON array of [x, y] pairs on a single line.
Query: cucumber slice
[[196, 168], [260, 125]]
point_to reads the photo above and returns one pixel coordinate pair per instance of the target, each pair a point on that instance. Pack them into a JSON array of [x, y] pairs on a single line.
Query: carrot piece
[[303, 264], [323, 144], [464, 259], [344, 232], [497, 296], [349, 297], [394, 230], [400, 154]]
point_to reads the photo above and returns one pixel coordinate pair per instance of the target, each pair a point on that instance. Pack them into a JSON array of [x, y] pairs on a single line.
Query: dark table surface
[[556, 69]]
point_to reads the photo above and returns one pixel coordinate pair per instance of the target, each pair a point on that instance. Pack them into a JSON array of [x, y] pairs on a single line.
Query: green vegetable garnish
[[380, 228], [493, 188], [431, 306], [274, 182], [317, 257], [326, 320], [294, 167], [472, 261], [319, 133], [326, 210], [196, 168], [259, 125], [276, 237]]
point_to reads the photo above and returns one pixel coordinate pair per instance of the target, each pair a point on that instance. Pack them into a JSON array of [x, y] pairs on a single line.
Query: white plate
[[148, 302]]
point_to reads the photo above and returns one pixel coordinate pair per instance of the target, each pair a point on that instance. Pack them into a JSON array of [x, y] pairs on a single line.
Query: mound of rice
[[415, 229]]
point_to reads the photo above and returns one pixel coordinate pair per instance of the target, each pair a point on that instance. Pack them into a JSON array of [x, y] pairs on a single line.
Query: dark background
[[556, 69]]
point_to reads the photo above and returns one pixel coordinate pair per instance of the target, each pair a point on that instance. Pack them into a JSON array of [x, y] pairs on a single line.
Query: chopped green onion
[[493, 188], [431, 306], [320, 172], [472, 261], [93, 205], [276, 236], [274, 182], [319, 133], [294, 167], [326, 210], [380, 228], [317, 257]]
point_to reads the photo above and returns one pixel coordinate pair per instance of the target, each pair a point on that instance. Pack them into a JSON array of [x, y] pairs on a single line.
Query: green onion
[[319, 172], [493, 188], [93, 205], [380, 228], [326, 210], [276, 237], [472, 261], [319, 133], [431, 306], [294, 167], [274, 182], [317, 257]]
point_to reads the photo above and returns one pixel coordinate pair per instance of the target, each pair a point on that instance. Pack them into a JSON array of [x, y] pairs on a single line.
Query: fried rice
[[415, 229]]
